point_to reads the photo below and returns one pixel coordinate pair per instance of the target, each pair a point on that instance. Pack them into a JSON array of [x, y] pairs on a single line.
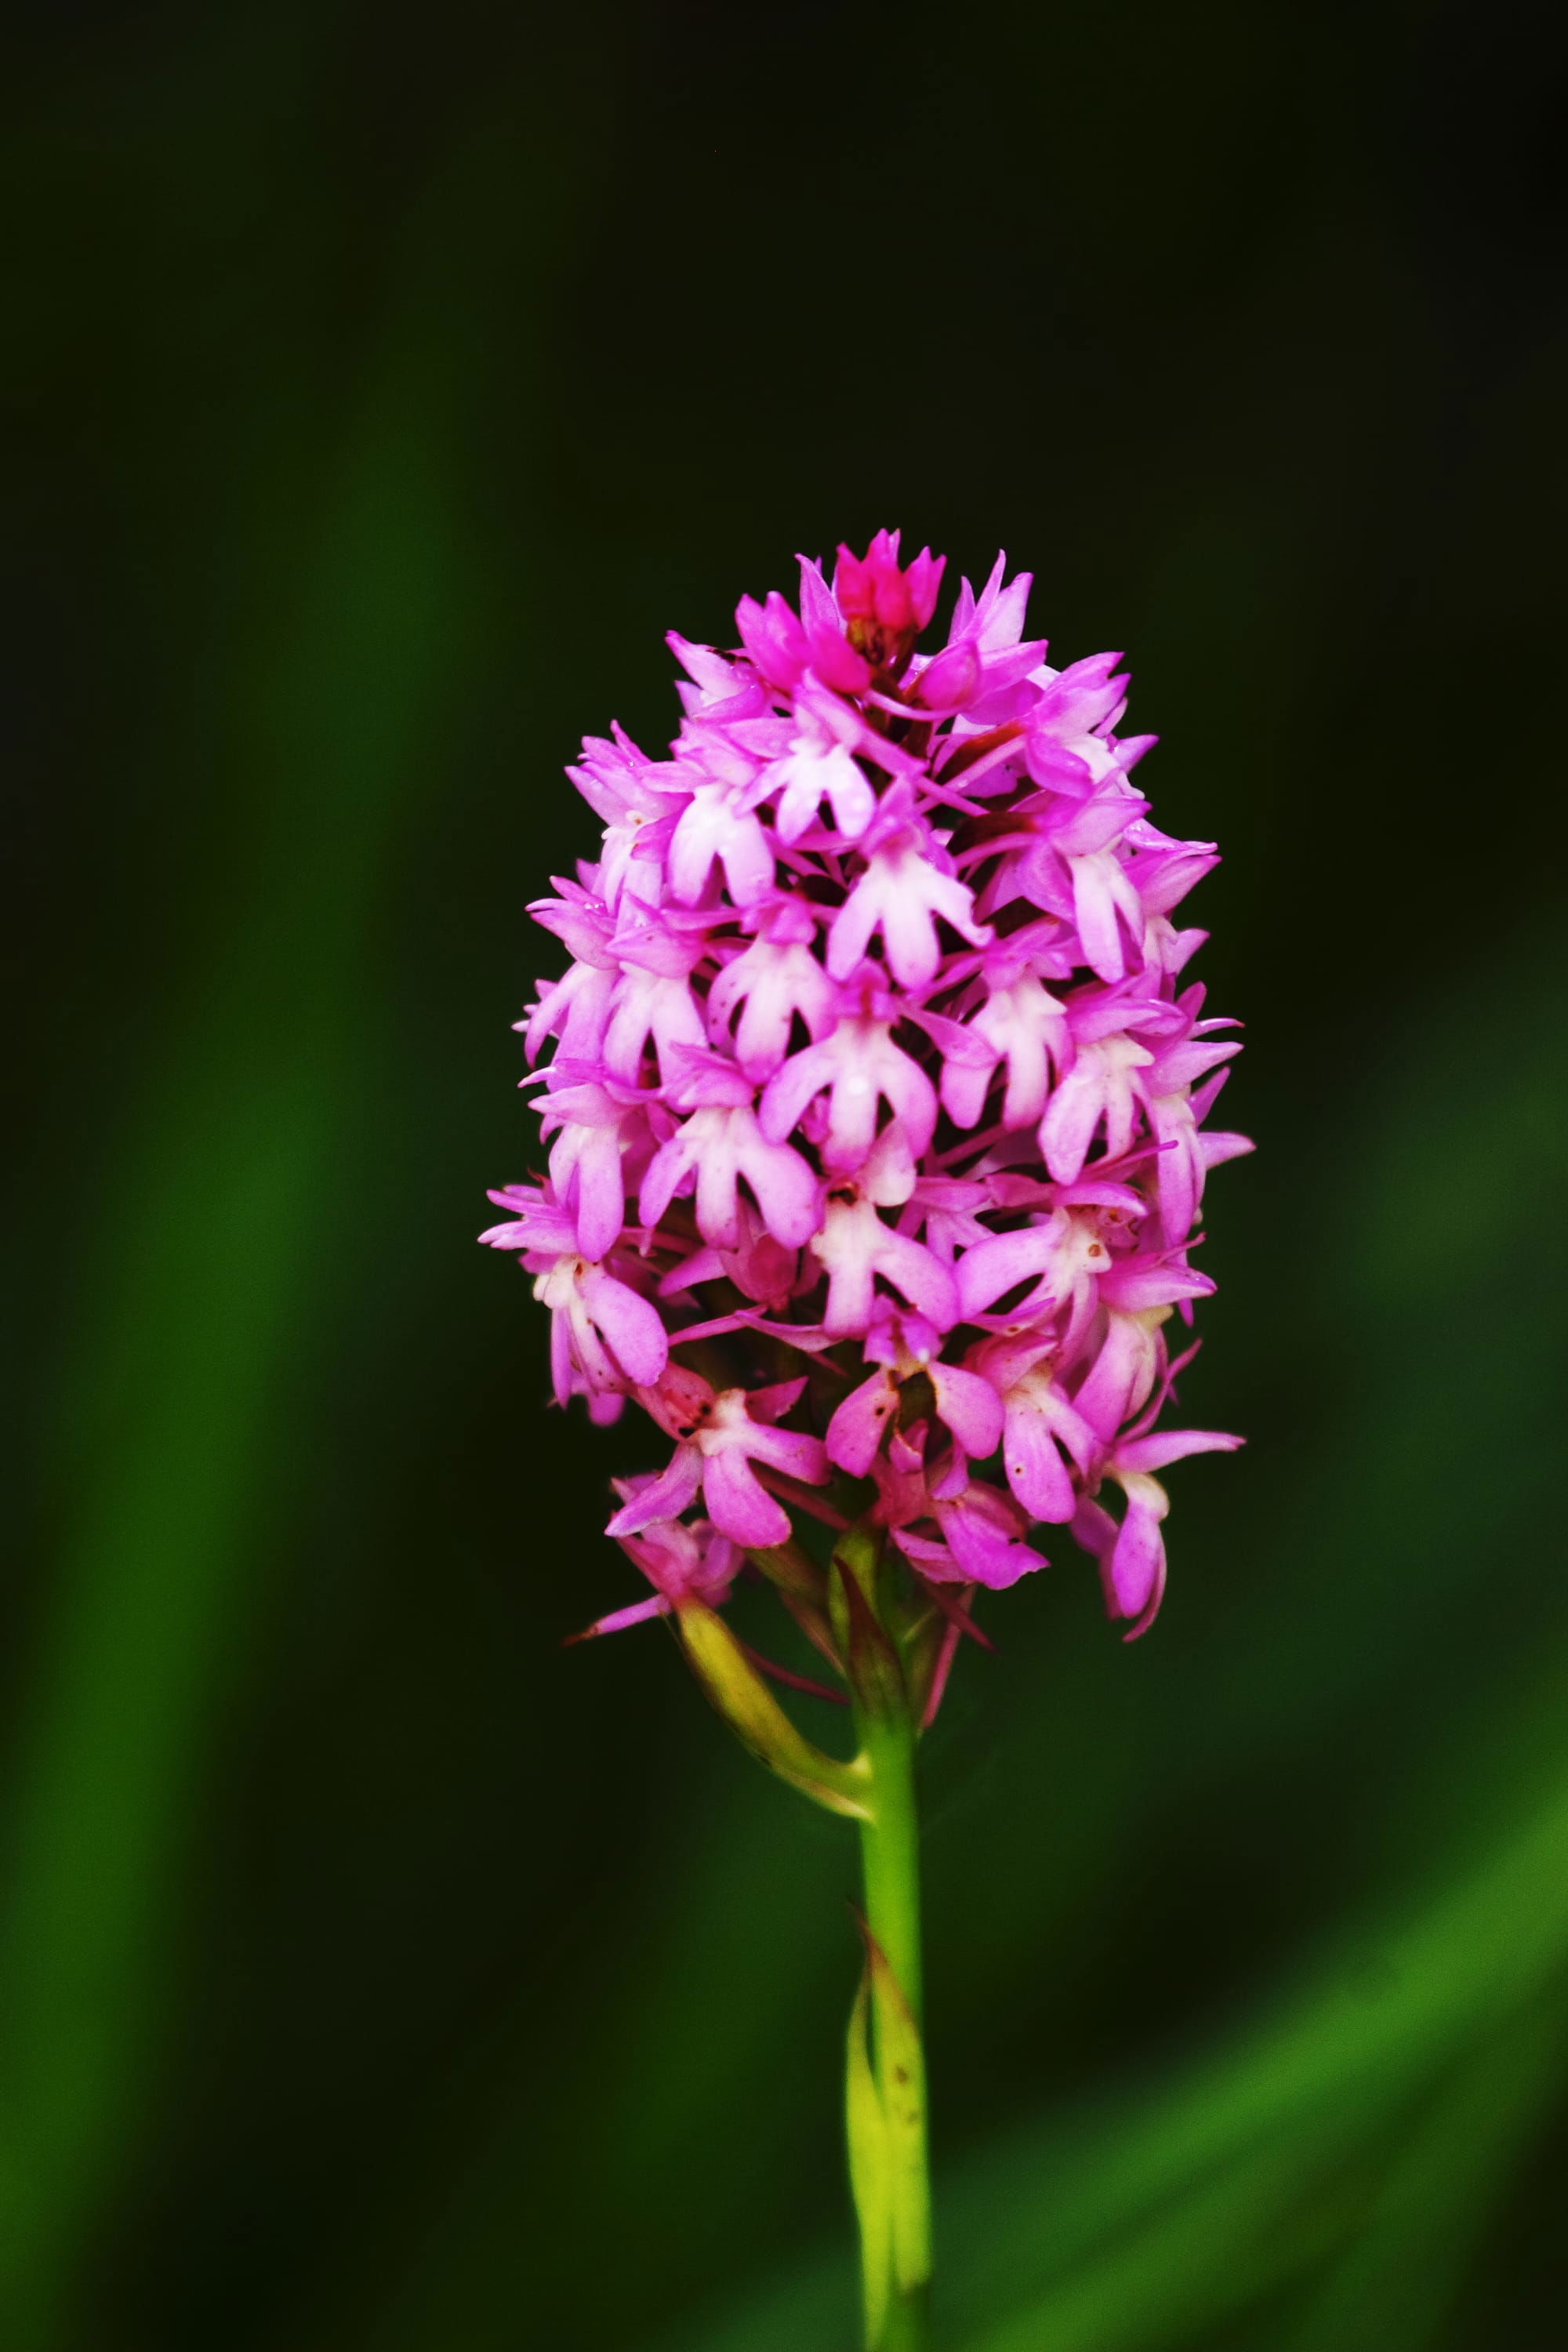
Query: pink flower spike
[[874, 1006]]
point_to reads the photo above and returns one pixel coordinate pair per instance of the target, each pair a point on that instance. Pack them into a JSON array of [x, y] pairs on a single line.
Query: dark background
[[375, 1977]]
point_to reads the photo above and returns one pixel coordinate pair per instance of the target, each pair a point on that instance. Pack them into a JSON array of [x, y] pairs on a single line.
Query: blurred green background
[[374, 1976]]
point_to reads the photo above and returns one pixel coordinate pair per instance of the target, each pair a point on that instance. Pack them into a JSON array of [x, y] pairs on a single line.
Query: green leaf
[[871, 2162], [900, 2072], [193, 1359], [749, 1708]]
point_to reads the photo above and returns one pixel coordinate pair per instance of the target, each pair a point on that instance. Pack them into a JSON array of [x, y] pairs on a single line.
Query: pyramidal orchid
[[876, 1126]]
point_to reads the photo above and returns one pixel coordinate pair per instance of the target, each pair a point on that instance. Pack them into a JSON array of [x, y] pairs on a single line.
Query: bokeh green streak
[[212, 1274]]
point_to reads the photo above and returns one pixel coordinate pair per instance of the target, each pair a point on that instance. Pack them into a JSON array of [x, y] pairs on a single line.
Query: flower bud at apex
[[886, 608], [877, 1114]]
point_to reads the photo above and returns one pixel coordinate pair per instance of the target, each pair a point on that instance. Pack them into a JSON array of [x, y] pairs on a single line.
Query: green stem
[[890, 1850]]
